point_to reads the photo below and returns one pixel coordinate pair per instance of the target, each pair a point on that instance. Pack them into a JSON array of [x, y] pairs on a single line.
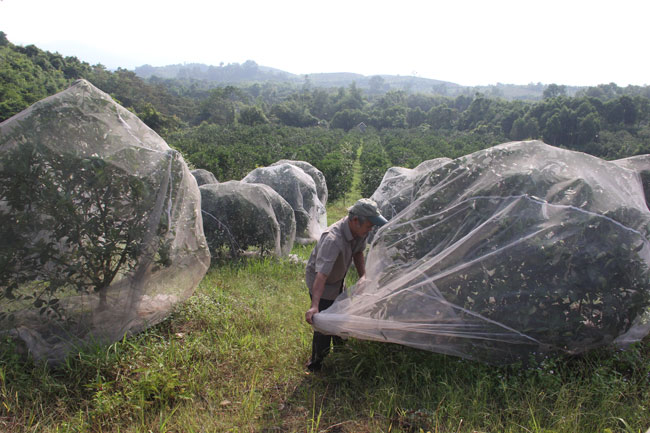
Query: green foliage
[[67, 223], [252, 116], [553, 91], [524, 128], [350, 99], [223, 211], [220, 105], [28, 74], [157, 121], [260, 122], [230, 153], [337, 169], [416, 117], [374, 163], [133, 93], [23, 81], [231, 358], [293, 114], [348, 118], [409, 147]]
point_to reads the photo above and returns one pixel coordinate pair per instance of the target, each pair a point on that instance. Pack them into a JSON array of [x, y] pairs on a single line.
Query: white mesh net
[[203, 176], [317, 176], [100, 224], [239, 215], [399, 186], [516, 250], [299, 190]]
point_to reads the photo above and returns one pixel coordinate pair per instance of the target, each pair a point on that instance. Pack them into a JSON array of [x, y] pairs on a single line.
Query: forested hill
[[234, 73], [250, 72], [231, 129]]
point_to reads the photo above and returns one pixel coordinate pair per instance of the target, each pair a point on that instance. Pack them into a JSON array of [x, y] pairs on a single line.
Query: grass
[[231, 360]]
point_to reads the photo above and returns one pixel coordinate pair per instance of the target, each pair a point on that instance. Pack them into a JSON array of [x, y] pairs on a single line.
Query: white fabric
[[515, 250]]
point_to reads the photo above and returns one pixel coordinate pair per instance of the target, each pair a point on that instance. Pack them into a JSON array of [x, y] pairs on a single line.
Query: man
[[339, 245]]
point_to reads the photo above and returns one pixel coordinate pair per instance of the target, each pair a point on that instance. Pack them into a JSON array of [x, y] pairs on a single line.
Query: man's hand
[[316, 293], [310, 313]]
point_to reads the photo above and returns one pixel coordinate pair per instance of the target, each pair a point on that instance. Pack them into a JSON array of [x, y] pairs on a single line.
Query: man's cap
[[368, 208]]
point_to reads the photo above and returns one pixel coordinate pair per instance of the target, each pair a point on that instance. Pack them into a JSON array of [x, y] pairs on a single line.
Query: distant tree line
[[230, 130]]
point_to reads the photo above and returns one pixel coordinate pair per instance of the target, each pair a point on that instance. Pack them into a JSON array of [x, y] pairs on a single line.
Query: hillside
[[251, 72], [234, 73]]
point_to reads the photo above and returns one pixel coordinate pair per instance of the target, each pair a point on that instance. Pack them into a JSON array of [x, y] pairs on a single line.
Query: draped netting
[[514, 251], [238, 215], [100, 223], [203, 176], [317, 176], [299, 189]]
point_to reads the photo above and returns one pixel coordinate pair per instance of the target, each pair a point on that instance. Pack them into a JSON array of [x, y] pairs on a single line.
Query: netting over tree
[[238, 215], [299, 190], [641, 165], [314, 173], [100, 224], [515, 250], [203, 176], [400, 185]]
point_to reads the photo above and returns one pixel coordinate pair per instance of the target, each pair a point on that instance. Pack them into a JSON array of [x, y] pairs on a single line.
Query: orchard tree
[[553, 91], [3, 39], [588, 129], [374, 163], [351, 99], [377, 85], [292, 113], [348, 119], [442, 117], [252, 116], [416, 117], [70, 224]]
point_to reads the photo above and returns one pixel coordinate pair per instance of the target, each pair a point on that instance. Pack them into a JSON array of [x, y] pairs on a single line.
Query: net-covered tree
[[69, 223]]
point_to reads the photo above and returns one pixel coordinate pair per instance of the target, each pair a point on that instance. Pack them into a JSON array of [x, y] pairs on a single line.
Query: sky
[[469, 42]]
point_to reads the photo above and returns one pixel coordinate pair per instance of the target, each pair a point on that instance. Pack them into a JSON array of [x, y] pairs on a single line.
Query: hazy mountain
[[249, 72]]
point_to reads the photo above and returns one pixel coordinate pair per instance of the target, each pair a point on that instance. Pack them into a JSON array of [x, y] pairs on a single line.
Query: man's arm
[[360, 264], [316, 292]]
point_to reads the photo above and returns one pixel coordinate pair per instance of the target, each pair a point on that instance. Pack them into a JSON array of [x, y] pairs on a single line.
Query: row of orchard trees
[[574, 122], [29, 74], [609, 124], [230, 153], [231, 130]]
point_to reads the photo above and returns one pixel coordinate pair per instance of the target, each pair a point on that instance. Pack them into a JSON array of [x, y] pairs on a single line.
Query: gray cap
[[368, 208]]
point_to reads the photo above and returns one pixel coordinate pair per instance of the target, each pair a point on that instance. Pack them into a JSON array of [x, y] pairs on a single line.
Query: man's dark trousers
[[320, 345]]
